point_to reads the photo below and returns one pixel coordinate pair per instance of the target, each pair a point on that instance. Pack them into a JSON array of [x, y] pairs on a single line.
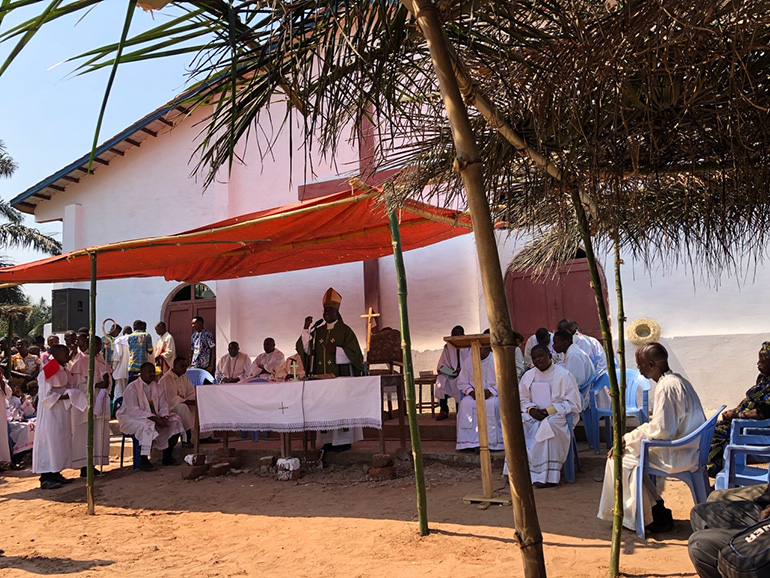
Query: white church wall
[[276, 305], [269, 178], [712, 333], [441, 291]]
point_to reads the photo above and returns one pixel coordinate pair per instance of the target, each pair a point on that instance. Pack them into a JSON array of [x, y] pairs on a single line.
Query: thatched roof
[[657, 111]]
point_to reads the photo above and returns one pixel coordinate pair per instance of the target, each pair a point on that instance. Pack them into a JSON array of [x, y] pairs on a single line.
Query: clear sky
[[48, 117]]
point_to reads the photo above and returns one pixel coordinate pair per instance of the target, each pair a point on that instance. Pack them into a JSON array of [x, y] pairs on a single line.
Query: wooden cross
[[369, 317], [283, 407]]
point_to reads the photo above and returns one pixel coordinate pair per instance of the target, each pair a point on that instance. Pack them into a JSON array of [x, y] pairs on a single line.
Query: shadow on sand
[[47, 565]]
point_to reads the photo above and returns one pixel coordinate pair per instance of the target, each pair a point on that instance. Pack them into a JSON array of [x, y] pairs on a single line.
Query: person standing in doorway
[[202, 346]]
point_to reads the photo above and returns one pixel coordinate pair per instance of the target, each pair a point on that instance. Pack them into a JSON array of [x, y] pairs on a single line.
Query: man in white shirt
[[677, 413], [267, 362], [541, 337], [145, 415], [467, 427], [165, 348], [234, 366], [180, 395], [576, 361], [548, 394], [120, 363]]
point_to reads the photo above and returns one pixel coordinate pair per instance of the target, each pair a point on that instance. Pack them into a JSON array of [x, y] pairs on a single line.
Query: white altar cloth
[[291, 406]]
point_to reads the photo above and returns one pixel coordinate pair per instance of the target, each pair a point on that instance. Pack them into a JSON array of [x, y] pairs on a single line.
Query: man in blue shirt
[[139, 349], [202, 346]]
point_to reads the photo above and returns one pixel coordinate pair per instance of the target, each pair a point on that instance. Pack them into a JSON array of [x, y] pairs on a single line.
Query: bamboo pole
[[91, 360], [468, 163], [621, 335], [617, 527], [406, 346], [617, 448]]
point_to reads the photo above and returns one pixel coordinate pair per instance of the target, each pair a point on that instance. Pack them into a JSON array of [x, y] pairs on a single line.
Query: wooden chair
[[385, 350]]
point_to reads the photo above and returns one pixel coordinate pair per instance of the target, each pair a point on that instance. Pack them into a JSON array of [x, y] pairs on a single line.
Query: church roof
[[157, 122]]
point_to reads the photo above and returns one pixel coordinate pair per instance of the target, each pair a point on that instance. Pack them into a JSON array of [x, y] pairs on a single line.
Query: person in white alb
[[677, 412], [5, 444], [450, 363], [165, 348], [592, 346], [102, 387], [145, 415], [267, 362], [467, 426], [180, 394], [234, 366], [576, 361], [548, 394], [52, 451]]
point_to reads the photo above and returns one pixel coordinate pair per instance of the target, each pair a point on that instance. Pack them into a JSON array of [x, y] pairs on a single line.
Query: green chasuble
[[341, 336]]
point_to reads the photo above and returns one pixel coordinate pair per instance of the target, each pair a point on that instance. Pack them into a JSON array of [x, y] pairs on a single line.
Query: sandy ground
[[331, 523]]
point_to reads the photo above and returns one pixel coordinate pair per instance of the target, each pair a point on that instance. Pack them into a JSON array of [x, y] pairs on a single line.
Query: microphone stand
[[310, 370]]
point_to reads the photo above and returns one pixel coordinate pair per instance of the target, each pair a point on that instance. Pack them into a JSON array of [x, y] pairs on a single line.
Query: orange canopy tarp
[[339, 228]]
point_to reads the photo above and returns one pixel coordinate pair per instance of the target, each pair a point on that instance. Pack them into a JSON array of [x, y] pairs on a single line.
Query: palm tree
[[7, 164], [14, 233]]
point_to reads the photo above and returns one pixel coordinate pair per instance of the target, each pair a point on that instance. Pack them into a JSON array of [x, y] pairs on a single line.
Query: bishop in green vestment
[[335, 346]]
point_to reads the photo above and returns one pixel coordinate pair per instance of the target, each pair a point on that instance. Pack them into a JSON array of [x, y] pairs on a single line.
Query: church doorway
[[535, 303], [185, 303]]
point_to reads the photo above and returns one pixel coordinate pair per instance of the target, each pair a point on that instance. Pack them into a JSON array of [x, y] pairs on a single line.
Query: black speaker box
[[70, 309]]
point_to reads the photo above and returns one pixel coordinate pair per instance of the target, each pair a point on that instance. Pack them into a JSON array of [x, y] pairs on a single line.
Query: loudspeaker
[[70, 309]]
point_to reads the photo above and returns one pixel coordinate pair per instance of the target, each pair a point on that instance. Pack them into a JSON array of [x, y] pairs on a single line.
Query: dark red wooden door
[[178, 318], [535, 303]]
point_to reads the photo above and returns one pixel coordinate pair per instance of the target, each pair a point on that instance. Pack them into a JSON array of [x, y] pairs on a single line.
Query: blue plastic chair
[[573, 460], [750, 432], [634, 381], [588, 415], [748, 437], [199, 376], [697, 480], [137, 448]]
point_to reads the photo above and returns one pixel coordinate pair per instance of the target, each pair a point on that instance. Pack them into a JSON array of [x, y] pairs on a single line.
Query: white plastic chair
[[199, 376], [697, 480]]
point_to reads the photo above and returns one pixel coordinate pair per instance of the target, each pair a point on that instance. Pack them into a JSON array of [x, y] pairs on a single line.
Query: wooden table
[[476, 342]]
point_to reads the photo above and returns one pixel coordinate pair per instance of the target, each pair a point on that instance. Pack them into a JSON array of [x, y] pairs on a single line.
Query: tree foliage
[[31, 323]]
